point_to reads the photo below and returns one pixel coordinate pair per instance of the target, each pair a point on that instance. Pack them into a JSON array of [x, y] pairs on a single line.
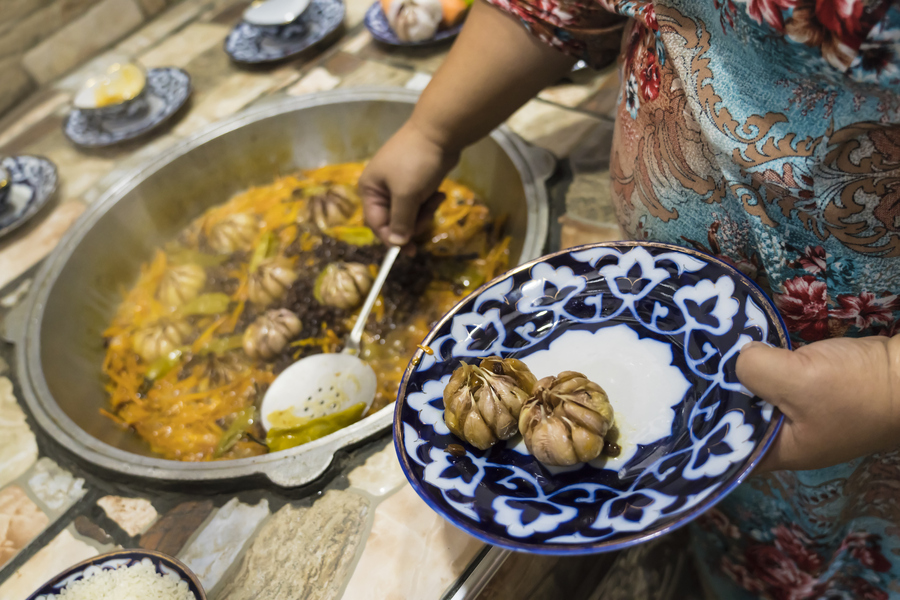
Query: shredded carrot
[[183, 412]]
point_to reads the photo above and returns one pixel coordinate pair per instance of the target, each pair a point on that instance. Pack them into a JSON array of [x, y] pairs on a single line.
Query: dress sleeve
[[589, 30]]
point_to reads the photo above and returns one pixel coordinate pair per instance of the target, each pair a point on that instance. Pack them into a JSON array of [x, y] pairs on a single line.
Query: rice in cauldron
[[136, 582]]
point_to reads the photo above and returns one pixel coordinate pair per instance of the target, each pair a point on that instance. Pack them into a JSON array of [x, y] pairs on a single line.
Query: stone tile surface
[[589, 198], [157, 29], [170, 533], [182, 47], [211, 553], [380, 473], [233, 94], [34, 115], [26, 248], [578, 233], [62, 552], [20, 522], [302, 552], [40, 23], [17, 83], [317, 80], [107, 22], [373, 73], [133, 515], [411, 552], [56, 487], [87, 528], [550, 127], [18, 447]]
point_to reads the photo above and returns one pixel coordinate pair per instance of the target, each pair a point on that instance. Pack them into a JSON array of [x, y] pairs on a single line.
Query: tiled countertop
[[360, 533]]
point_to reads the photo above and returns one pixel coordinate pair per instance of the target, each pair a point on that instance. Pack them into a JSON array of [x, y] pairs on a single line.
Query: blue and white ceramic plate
[[167, 91], [660, 328], [377, 24], [32, 183], [115, 560], [253, 44]]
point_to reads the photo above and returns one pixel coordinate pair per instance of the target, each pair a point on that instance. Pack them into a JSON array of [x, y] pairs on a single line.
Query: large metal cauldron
[[58, 329]]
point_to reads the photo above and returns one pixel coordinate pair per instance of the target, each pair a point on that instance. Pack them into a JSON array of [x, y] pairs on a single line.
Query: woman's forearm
[[494, 67]]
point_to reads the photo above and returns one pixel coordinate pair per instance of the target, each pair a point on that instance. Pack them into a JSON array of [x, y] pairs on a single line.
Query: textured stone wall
[[42, 39]]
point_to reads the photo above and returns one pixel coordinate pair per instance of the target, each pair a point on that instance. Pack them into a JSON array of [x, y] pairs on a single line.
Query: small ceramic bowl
[[116, 91], [118, 559]]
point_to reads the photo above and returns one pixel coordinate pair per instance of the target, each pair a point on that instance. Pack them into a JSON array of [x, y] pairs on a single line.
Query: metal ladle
[[323, 384]]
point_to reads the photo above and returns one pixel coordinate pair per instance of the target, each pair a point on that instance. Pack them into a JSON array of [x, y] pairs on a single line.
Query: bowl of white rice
[[124, 575]]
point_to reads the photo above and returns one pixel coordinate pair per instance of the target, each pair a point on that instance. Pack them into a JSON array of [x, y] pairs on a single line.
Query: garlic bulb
[[481, 407], [565, 419], [511, 367], [270, 333], [233, 233], [160, 339], [343, 285], [271, 281], [180, 284], [333, 207], [415, 20]]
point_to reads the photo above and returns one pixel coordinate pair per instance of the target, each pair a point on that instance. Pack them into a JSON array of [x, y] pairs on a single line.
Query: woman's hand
[[840, 399], [399, 185], [493, 68]]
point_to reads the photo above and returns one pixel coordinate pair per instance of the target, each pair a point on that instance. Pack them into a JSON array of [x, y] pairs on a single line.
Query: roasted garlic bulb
[[270, 281], [482, 407], [233, 233], [415, 20], [565, 420], [270, 333], [333, 207], [181, 284], [343, 285], [160, 339], [511, 367]]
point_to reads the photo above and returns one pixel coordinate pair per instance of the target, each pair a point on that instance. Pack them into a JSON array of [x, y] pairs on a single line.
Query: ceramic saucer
[[32, 183], [252, 44], [167, 90], [659, 327], [377, 24]]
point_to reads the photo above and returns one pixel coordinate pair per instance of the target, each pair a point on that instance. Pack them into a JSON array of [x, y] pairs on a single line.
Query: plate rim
[[37, 205], [682, 519]]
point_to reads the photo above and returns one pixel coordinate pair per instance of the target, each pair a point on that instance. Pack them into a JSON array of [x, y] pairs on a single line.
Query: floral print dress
[[768, 132]]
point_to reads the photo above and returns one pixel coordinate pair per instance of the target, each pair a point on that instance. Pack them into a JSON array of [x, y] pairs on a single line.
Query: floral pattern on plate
[[662, 315], [253, 44], [168, 89], [32, 182], [377, 24]]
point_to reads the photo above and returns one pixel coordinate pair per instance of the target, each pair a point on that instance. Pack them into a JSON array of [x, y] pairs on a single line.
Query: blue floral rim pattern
[[698, 307], [114, 560], [33, 180], [377, 24], [168, 89], [253, 44]]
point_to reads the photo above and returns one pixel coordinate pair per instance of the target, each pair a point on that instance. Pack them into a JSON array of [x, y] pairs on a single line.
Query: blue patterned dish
[[660, 328], [377, 24], [32, 183], [252, 44], [167, 90], [114, 560]]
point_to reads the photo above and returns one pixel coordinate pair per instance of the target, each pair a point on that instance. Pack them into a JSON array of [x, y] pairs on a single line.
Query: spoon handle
[[353, 341]]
